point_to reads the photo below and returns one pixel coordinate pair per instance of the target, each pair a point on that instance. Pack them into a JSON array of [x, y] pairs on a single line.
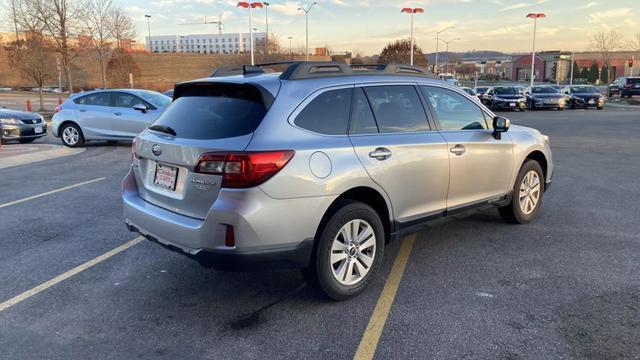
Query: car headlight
[[561, 101], [9, 121]]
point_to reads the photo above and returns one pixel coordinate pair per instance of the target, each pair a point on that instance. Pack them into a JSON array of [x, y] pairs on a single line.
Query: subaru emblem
[[156, 150]]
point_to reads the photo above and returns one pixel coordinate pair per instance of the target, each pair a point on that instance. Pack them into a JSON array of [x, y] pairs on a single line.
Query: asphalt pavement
[[565, 286]]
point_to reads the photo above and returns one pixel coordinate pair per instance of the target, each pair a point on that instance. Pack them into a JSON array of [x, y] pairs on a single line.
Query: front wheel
[[71, 135], [349, 251], [527, 194]]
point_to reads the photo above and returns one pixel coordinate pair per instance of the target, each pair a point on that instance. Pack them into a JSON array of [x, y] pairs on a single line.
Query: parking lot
[[74, 283]]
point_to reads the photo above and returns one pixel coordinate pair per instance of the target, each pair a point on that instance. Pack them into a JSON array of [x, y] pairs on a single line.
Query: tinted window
[[328, 113], [543, 90], [454, 111], [397, 108], [97, 99], [125, 100], [362, 120], [155, 98], [633, 81], [505, 91], [214, 111]]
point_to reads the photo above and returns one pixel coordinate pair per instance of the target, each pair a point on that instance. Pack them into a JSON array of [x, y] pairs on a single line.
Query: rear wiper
[[163, 128]]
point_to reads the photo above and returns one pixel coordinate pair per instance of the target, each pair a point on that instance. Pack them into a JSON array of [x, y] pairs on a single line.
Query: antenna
[[206, 22]]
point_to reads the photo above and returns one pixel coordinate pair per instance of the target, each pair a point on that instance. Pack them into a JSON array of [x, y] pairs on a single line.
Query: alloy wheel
[[529, 192], [353, 252], [70, 135]]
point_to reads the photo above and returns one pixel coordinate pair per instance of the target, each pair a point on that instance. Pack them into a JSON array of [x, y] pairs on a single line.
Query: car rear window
[[633, 80], [328, 113], [214, 111]]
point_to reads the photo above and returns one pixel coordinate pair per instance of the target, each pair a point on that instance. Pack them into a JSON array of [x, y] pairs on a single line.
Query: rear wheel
[[349, 251], [527, 194], [71, 135]]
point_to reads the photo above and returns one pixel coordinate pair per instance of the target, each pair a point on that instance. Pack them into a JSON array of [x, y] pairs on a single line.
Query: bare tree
[[61, 19], [634, 44], [122, 26], [35, 61], [606, 43], [98, 24]]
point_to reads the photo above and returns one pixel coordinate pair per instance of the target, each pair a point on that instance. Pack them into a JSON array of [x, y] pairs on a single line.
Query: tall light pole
[[535, 17], [290, 46], [573, 55], [306, 15], [412, 11], [266, 20], [250, 6], [448, 42], [438, 44], [149, 30]]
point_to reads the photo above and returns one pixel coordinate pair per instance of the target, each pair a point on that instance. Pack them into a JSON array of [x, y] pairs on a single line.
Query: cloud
[[523, 5], [609, 14], [589, 5]]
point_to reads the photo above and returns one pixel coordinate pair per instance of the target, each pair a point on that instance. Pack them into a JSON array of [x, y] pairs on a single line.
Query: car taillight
[[243, 169], [58, 108]]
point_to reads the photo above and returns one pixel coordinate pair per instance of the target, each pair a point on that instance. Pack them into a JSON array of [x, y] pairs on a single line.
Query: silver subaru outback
[[319, 166]]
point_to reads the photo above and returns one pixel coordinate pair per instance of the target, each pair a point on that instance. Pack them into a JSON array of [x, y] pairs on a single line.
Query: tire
[[600, 107], [330, 241], [71, 135], [26, 141], [560, 109], [514, 212], [573, 105]]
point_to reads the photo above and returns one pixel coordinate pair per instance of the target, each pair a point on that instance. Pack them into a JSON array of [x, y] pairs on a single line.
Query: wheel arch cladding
[[541, 159]]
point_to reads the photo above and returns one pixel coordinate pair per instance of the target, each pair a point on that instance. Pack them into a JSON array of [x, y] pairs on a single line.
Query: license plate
[[592, 101], [512, 104], [165, 177], [637, 85], [38, 129]]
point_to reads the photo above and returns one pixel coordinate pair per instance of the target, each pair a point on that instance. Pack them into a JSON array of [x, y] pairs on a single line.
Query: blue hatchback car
[[114, 114]]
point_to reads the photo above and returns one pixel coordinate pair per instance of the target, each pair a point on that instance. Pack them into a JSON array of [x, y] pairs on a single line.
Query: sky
[[365, 26]]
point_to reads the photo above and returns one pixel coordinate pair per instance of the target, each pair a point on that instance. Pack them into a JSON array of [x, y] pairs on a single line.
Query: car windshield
[[154, 98], [543, 90], [633, 80], [505, 91], [584, 90]]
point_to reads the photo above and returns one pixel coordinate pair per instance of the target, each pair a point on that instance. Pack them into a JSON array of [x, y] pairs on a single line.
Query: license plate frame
[[592, 101], [38, 130], [168, 177]]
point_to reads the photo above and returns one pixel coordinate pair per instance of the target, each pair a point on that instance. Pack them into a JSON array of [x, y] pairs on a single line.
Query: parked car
[[106, 115], [469, 91], [584, 96], [450, 78], [544, 96], [317, 168], [625, 86], [21, 126], [480, 90], [504, 97], [168, 93]]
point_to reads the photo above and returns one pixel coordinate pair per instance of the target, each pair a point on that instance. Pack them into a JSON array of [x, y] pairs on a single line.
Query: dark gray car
[[21, 126]]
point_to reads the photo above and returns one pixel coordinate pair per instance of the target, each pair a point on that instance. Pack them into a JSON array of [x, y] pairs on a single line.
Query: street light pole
[[306, 14], [535, 18], [437, 46], [573, 54], [448, 42], [412, 11], [266, 17], [250, 6], [290, 46], [149, 30]]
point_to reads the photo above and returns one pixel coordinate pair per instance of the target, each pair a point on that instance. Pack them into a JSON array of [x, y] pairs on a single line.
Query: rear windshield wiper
[[163, 128]]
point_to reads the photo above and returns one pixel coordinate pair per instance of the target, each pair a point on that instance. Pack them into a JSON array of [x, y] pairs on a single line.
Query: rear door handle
[[83, 110], [118, 113], [380, 153], [458, 150]]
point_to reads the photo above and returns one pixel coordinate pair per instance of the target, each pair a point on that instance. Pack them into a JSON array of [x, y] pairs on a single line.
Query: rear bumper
[[268, 232]]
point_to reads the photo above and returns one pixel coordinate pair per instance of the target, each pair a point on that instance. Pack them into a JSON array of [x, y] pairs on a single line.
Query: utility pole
[[306, 14], [149, 30], [412, 11], [266, 20], [535, 18]]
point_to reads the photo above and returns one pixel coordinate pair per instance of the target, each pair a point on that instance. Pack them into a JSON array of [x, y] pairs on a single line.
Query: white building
[[233, 43]]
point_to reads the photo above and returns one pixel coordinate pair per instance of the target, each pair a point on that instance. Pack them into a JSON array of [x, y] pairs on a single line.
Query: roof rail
[[310, 70]]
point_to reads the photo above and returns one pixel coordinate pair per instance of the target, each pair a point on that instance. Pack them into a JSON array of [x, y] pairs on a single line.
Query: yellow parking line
[[371, 337], [50, 192], [76, 270]]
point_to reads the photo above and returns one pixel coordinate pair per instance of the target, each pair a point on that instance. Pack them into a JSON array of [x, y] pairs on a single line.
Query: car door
[[392, 138], [127, 121], [94, 114], [481, 166]]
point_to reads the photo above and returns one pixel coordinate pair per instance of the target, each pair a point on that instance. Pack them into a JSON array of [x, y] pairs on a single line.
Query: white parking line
[[76, 270], [50, 192]]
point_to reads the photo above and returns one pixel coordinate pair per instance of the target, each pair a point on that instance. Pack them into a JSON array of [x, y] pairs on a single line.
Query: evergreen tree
[[594, 73], [584, 73], [604, 75]]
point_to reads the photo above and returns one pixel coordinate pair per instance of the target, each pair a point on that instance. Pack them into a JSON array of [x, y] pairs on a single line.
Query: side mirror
[[500, 125], [140, 107]]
